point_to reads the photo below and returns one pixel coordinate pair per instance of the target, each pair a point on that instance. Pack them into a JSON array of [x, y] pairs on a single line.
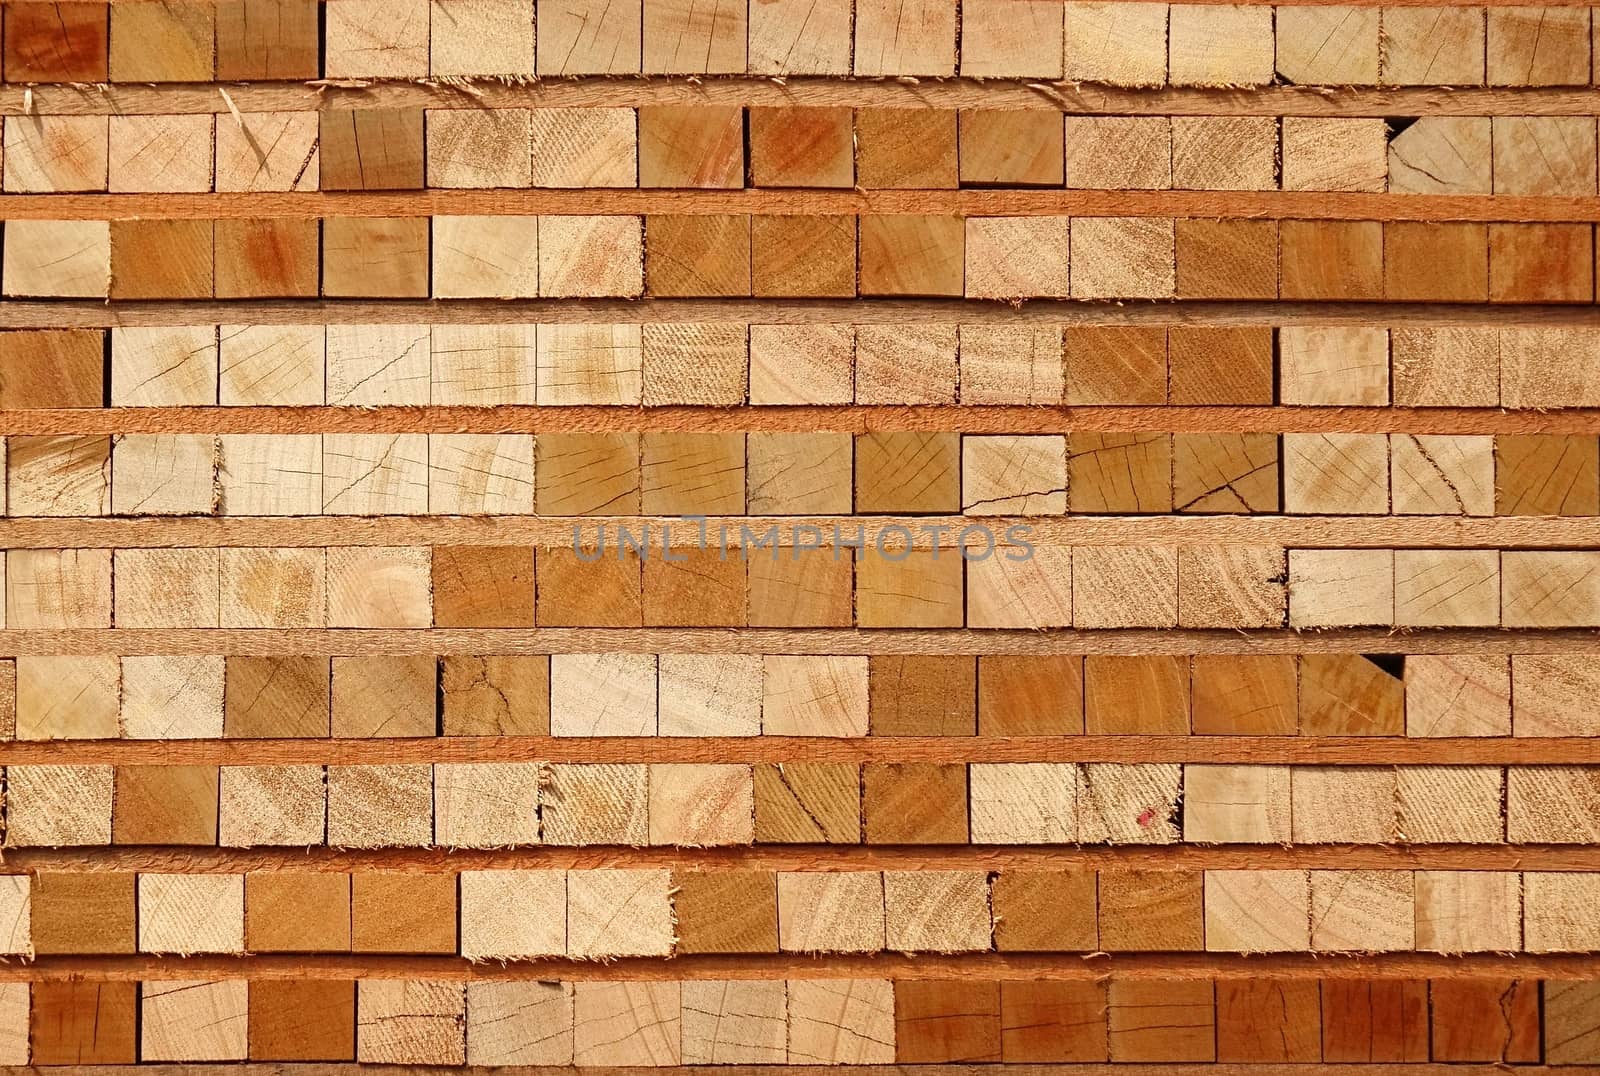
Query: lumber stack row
[[803, 1021], [495, 804], [739, 255], [705, 147], [609, 914], [1143, 44]]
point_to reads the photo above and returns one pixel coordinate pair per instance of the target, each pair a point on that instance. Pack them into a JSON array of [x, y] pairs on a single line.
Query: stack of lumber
[[799, 532]]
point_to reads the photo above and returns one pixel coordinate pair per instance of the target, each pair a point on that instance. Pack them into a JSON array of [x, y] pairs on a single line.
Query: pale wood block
[[1362, 911], [1327, 45], [1023, 802], [1119, 152], [58, 476], [841, 1021], [374, 474], [808, 695], [915, 37], [1544, 155], [376, 39], [1257, 911], [410, 1022], [735, 1022], [1441, 474], [483, 364], [1336, 473], [272, 364], [513, 915], [1468, 911], [272, 805], [709, 695], [1450, 804], [56, 806], [1129, 803], [588, 37], [1552, 805], [1549, 590], [480, 474], [1219, 45], [1328, 365], [273, 588], [614, 913], [1571, 1030], [1014, 476], [1004, 40], [1121, 44], [164, 367], [798, 473], [1011, 364], [829, 912], [269, 151], [802, 364], [15, 911], [591, 256], [50, 258], [1225, 153], [486, 804], [1432, 46], [480, 37], [163, 154], [603, 694], [1012, 257], [596, 805], [378, 364], [1231, 587], [797, 37], [936, 911], [590, 364], [1548, 367], [380, 806], [627, 1023], [165, 474], [685, 38], [1558, 912], [1553, 695], [1446, 367], [1462, 694], [183, 1020], [1442, 155], [15, 1001], [191, 913], [1004, 591], [271, 474], [701, 804], [584, 147], [519, 1023], [1335, 154], [695, 364], [172, 697], [1236, 804], [58, 588], [67, 698], [477, 148], [1538, 46], [485, 257], [1447, 587], [1344, 804], [1340, 587], [1123, 258], [55, 154], [1124, 587], [905, 364]]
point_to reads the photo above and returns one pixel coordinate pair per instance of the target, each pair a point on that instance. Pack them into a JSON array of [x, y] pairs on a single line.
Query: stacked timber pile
[[1140, 593]]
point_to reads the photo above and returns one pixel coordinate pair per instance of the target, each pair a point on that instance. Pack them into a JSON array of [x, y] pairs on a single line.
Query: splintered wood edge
[[1238, 750], [635, 91]]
